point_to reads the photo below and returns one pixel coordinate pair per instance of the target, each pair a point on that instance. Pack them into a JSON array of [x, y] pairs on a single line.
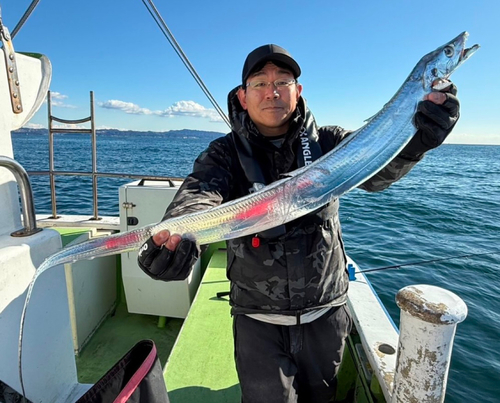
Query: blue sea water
[[448, 205]]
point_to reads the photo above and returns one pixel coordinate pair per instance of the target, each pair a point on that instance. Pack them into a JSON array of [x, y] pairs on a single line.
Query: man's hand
[[168, 257], [435, 118], [164, 238]]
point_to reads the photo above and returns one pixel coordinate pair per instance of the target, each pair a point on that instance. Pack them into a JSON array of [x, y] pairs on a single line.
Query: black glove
[[434, 123], [162, 264]]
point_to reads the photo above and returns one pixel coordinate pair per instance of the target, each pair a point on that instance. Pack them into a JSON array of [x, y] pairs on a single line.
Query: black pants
[[290, 364]]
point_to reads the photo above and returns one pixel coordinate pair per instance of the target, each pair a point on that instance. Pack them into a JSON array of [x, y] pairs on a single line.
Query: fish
[[357, 158], [353, 161]]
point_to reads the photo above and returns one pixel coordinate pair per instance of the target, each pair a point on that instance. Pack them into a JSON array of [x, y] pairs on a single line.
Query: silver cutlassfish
[[352, 162]]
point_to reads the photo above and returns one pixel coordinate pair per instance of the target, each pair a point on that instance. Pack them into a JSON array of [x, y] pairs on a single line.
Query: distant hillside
[[113, 132]]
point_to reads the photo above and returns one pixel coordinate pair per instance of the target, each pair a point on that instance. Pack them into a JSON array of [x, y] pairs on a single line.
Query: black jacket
[[301, 267]]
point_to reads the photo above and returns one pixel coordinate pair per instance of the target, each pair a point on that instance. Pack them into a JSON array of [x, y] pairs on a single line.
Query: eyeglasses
[[280, 83]]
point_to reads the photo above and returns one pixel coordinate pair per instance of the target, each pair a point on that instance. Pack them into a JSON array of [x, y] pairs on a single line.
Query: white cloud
[[62, 105], [34, 126], [127, 107], [69, 126], [57, 95], [190, 108], [110, 128], [465, 138], [180, 108], [57, 99]]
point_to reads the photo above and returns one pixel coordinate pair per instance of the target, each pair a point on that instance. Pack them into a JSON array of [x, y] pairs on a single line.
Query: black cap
[[268, 53]]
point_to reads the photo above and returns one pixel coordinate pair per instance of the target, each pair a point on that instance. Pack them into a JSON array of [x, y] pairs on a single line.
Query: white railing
[[411, 364]]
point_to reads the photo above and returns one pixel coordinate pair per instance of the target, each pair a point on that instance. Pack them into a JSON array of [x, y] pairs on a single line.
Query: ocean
[[448, 205]]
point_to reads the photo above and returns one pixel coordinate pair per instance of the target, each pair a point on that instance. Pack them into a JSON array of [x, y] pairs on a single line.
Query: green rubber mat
[[201, 366]]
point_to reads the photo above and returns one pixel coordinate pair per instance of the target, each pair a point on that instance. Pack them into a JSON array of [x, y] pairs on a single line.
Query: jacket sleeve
[[331, 136], [209, 183], [391, 173]]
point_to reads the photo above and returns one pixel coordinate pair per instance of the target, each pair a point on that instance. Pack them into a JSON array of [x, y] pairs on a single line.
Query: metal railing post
[[23, 183], [93, 174], [94, 157], [90, 131], [52, 178]]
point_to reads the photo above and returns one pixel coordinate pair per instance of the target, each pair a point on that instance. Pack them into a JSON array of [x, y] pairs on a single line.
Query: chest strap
[[308, 148]]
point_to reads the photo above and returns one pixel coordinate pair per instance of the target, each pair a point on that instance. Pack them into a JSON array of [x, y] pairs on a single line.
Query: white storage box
[[142, 203]]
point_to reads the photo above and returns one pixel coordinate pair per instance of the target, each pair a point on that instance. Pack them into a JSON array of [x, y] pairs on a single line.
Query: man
[[288, 284]]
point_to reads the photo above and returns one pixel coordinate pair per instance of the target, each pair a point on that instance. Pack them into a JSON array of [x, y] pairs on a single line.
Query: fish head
[[442, 62]]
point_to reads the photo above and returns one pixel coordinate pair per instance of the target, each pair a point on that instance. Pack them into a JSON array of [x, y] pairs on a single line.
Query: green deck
[[117, 335], [201, 366], [120, 332]]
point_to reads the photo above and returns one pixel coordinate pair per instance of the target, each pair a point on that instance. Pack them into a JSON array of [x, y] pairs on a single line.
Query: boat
[[85, 315]]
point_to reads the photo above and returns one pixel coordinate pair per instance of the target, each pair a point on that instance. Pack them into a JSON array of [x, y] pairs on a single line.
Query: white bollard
[[429, 317]]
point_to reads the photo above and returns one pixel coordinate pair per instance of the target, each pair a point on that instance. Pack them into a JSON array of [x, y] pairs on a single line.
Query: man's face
[[269, 107]]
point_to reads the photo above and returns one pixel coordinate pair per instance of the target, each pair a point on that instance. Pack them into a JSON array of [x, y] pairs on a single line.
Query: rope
[[170, 37]]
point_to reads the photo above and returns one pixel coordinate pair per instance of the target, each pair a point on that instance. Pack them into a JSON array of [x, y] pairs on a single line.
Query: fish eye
[[449, 50], [435, 72]]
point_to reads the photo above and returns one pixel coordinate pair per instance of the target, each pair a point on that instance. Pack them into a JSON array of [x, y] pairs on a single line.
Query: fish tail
[[98, 247]]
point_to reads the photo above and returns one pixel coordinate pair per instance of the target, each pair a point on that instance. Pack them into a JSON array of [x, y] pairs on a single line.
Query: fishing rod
[[397, 266], [170, 37]]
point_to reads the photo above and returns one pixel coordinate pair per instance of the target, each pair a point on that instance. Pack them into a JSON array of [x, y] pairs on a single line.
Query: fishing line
[[397, 266]]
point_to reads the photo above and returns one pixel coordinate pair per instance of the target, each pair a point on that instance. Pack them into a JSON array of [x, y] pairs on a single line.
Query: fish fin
[[370, 118]]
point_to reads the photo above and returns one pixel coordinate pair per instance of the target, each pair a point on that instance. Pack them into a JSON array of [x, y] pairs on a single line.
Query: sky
[[354, 56]]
